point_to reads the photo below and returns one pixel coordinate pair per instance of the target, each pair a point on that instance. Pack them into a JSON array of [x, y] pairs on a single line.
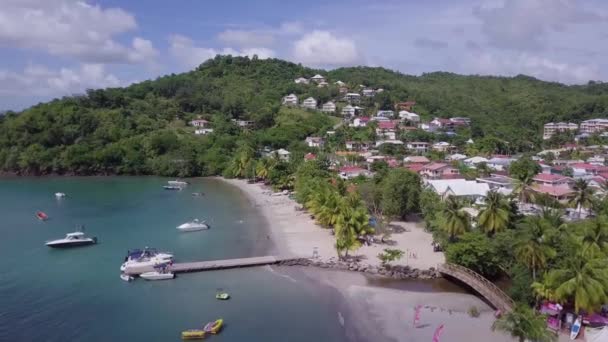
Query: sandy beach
[[375, 312]]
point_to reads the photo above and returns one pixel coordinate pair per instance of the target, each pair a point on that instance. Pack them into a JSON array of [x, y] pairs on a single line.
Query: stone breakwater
[[395, 272]]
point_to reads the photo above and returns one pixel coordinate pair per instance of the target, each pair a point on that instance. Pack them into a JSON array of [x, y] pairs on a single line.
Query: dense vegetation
[[141, 129]]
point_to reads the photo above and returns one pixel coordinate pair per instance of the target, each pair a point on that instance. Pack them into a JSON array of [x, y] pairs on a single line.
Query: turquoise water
[[76, 295]]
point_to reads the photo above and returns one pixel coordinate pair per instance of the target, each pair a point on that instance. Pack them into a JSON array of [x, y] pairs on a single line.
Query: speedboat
[[193, 225], [172, 187], [214, 327], [148, 257], [161, 273], [42, 216], [177, 183], [59, 194], [72, 240], [193, 334], [222, 296]]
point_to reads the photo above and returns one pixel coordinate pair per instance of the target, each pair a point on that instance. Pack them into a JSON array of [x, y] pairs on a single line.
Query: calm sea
[[77, 295]]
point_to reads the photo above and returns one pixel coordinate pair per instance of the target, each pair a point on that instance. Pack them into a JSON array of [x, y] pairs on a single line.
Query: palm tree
[[242, 160], [264, 167], [584, 195], [594, 236], [457, 221], [545, 289], [523, 189], [532, 248], [584, 280], [495, 216], [524, 324], [351, 222]]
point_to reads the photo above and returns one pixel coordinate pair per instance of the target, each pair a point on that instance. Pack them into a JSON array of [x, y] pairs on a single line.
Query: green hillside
[[141, 129]]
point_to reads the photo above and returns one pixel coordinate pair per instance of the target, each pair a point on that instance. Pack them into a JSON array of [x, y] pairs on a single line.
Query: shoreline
[[368, 310]]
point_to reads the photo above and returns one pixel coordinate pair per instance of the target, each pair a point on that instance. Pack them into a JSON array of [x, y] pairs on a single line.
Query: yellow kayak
[[214, 327], [193, 334]]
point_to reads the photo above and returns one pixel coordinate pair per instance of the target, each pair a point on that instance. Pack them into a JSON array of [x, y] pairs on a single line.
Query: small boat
[[74, 239], [193, 226], [214, 327], [42, 216], [198, 194], [177, 183], [60, 195], [193, 334], [172, 187], [576, 328], [161, 273], [222, 296], [144, 258], [126, 277]]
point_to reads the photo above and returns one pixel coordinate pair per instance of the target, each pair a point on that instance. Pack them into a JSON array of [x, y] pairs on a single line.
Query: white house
[[473, 161], [203, 131], [352, 97], [283, 154], [405, 115], [290, 100], [349, 172], [310, 103], [340, 83], [199, 123], [418, 146], [348, 110], [368, 92], [329, 107], [499, 164], [317, 78], [322, 84], [315, 142], [385, 113], [596, 160], [360, 121], [459, 188], [456, 156], [301, 80], [442, 146]]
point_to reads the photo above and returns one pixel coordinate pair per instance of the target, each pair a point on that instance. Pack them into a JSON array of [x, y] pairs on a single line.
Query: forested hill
[[141, 129]]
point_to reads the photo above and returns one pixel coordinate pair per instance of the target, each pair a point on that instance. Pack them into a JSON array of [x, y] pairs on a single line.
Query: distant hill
[[141, 129]]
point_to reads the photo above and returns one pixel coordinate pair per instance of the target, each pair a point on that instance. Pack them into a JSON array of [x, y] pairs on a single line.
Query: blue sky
[[53, 48]]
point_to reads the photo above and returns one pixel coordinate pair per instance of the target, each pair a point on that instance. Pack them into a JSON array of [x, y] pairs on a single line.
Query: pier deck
[[199, 266]]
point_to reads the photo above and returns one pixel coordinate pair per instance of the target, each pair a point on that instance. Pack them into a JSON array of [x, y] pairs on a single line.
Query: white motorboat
[[59, 194], [193, 226], [148, 257], [177, 183], [74, 239], [157, 275], [172, 187], [126, 277]]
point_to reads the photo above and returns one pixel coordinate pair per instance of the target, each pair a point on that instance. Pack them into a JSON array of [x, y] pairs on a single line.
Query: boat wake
[[280, 274]]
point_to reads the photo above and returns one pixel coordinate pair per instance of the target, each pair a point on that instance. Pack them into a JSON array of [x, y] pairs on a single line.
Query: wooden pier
[[200, 266]]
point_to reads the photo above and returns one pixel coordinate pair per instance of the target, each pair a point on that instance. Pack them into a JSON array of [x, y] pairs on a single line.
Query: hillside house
[[499, 163], [309, 103], [552, 128], [368, 92], [343, 90], [290, 100], [361, 121], [385, 114], [329, 107], [498, 182], [561, 193], [283, 154], [418, 146], [199, 123], [348, 110], [473, 161], [442, 146], [301, 80], [340, 83], [352, 98], [461, 121], [437, 170], [315, 142], [456, 157], [459, 188], [243, 123], [551, 180], [407, 105], [203, 131], [350, 172], [310, 156], [317, 78], [386, 130], [416, 160], [357, 145], [445, 124], [409, 116], [322, 84]]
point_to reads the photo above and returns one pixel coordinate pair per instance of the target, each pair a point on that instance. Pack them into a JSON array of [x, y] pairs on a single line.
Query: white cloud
[[524, 63], [323, 48], [37, 80], [187, 53], [243, 38], [522, 24], [72, 28]]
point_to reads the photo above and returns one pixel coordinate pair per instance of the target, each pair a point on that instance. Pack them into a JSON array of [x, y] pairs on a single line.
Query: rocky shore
[[395, 272]]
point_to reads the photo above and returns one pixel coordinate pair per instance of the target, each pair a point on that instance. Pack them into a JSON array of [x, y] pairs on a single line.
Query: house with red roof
[[357, 145], [310, 156], [407, 105], [387, 129], [560, 193], [350, 172], [199, 123], [415, 167], [360, 121], [442, 123], [588, 169], [548, 179], [436, 170]]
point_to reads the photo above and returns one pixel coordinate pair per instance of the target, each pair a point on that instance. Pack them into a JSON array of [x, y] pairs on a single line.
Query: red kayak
[[42, 216]]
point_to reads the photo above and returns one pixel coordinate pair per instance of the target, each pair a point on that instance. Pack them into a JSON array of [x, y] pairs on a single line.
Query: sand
[[296, 234]]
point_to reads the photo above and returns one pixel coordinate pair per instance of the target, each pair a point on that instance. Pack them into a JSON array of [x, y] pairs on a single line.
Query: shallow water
[[76, 294]]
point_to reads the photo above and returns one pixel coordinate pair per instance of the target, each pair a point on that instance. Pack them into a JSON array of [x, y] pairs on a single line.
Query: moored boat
[[172, 187], [126, 277], [160, 274], [74, 239], [42, 216], [177, 183], [193, 225], [214, 327], [193, 334], [148, 257], [60, 195], [222, 296]]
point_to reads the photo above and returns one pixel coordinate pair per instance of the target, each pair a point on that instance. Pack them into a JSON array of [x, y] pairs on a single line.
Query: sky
[[55, 48]]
